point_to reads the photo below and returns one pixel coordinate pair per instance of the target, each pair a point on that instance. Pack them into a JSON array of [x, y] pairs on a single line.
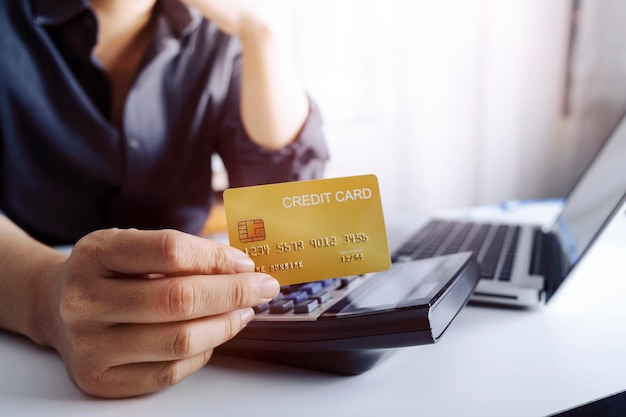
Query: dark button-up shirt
[[65, 170]]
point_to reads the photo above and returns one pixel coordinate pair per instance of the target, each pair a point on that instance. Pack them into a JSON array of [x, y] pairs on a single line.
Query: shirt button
[[133, 143]]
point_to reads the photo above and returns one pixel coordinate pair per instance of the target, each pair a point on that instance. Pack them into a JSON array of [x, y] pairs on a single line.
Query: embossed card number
[[310, 230]]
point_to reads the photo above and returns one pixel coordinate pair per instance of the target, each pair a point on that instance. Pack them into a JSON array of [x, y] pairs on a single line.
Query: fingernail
[[243, 263], [247, 314], [268, 288]]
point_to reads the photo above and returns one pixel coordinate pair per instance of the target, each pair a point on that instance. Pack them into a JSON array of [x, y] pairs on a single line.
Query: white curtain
[[597, 93], [449, 102]]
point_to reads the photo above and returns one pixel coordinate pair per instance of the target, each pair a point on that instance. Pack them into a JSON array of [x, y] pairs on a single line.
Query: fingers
[[169, 252], [170, 341], [140, 378], [228, 15], [153, 278], [166, 300], [151, 357], [141, 310]]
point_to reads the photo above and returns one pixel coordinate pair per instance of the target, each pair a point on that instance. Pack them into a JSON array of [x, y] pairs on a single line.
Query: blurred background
[[461, 102]]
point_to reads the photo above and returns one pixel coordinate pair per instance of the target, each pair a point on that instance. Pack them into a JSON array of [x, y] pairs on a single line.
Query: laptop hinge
[[537, 252], [547, 261]]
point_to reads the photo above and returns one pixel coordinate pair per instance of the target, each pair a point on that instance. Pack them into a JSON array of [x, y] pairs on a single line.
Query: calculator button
[[288, 289], [312, 288], [261, 308], [321, 297], [278, 298], [344, 282], [297, 297], [281, 307], [306, 306]]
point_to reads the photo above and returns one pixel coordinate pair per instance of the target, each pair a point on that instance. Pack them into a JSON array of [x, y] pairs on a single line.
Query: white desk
[[490, 362]]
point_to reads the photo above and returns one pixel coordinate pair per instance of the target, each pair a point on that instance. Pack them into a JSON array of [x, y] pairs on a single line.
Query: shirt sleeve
[[250, 164]]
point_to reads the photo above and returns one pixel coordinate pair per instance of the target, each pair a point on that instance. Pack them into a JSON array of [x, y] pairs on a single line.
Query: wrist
[[42, 309]]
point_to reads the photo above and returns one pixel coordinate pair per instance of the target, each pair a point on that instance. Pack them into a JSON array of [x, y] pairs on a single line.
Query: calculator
[[347, 325]]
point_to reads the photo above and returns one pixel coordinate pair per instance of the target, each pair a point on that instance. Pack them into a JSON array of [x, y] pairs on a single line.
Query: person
[[111, 111]]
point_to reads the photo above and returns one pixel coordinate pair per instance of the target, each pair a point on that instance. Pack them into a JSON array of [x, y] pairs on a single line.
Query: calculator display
[[403, 283]]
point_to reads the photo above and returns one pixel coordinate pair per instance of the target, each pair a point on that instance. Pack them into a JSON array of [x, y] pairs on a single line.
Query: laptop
[[523, 264]]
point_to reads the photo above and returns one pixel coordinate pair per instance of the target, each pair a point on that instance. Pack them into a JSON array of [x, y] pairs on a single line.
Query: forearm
[[26, 283], [274, 105]]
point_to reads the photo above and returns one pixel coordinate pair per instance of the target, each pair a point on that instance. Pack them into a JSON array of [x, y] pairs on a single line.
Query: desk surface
[[490, 362]]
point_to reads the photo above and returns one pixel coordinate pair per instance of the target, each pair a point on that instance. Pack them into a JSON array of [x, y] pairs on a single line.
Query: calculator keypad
[[306, 302]]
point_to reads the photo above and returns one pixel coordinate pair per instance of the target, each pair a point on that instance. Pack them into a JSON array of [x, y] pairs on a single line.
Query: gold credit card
[[310, 230]]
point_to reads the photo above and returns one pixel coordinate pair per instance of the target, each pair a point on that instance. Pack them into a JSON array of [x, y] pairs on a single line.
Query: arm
[[27, 266], [274, 105], [129, 311]]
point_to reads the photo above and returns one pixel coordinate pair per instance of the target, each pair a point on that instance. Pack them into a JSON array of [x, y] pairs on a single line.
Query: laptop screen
[[594, 198]]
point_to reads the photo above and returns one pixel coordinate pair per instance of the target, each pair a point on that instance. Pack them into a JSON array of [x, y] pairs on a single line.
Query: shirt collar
[[58, 11], [182, 19]]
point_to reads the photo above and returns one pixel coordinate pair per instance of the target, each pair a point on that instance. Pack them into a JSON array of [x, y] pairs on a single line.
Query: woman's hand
[[235, 17], [274, 106], [137, 311]]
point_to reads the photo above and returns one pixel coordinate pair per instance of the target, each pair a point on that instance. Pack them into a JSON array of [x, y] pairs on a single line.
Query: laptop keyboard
[[494, 245]]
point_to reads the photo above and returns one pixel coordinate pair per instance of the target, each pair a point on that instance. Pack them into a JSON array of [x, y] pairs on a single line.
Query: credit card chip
[[251, 230]]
